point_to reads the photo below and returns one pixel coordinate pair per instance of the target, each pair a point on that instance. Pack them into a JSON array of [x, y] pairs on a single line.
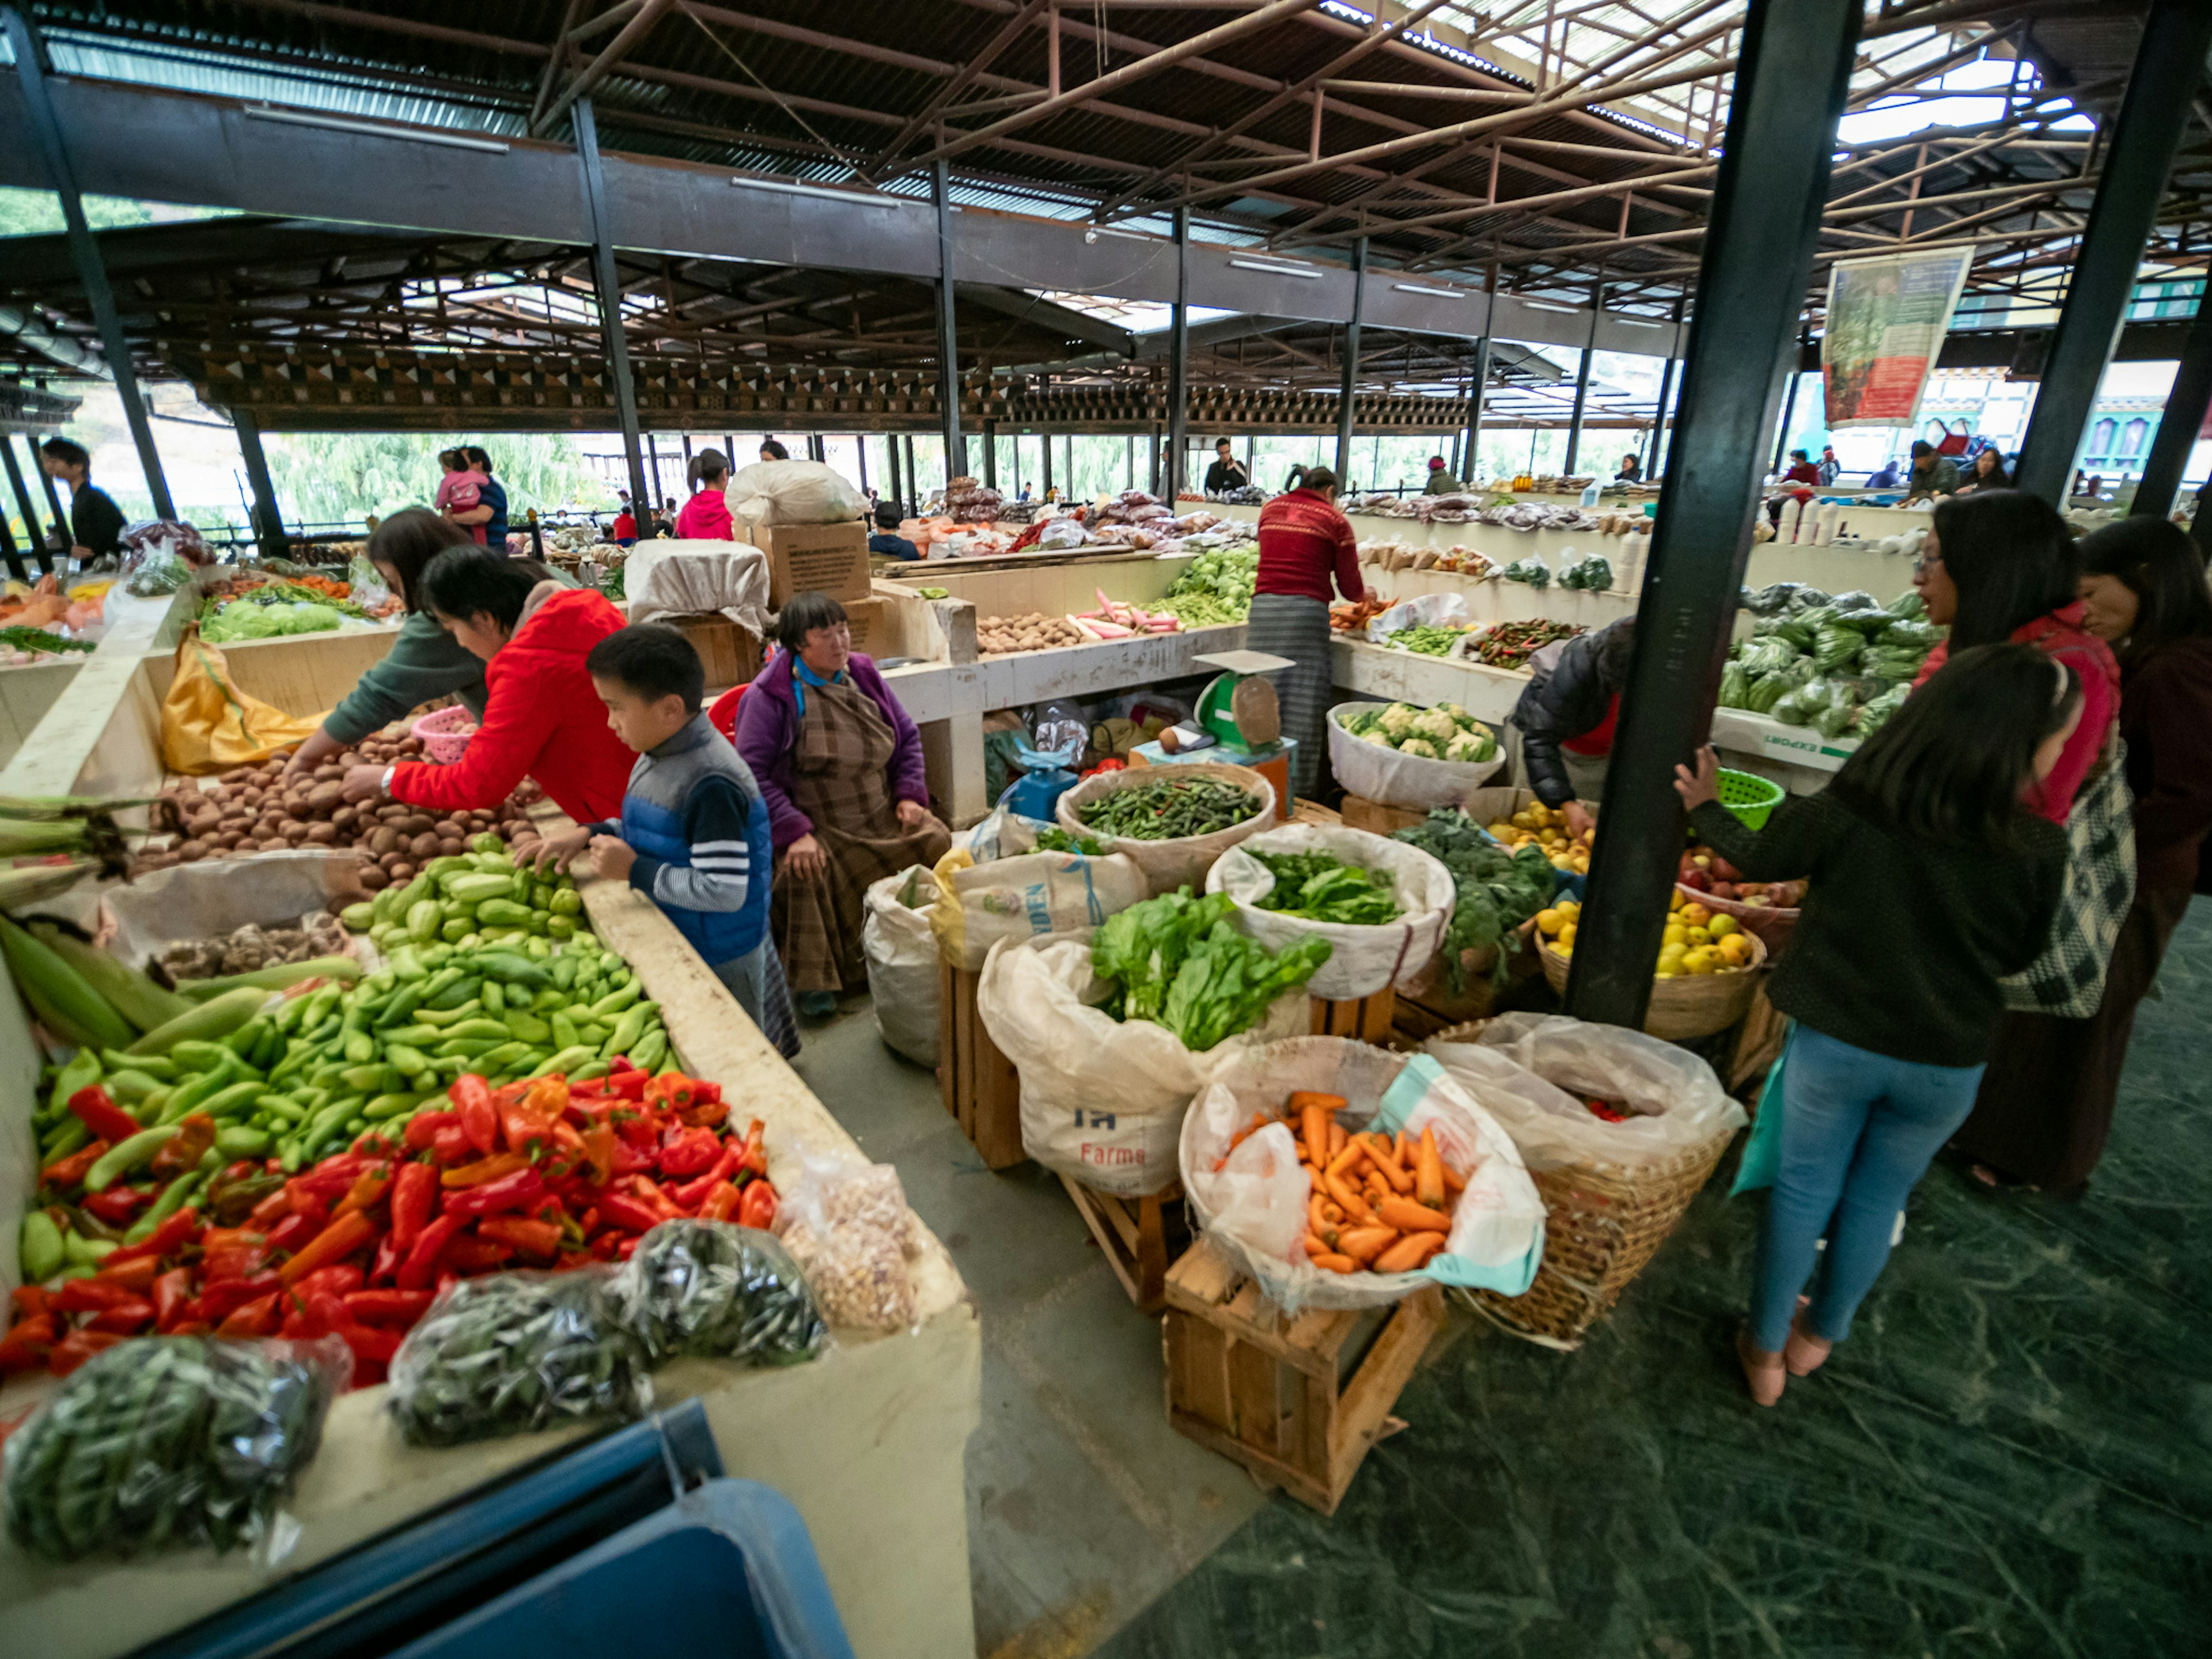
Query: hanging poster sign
[[1886, 319]]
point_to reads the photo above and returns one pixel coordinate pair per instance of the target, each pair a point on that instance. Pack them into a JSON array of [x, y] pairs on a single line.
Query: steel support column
[[1582, 385], [948, 342], [1045, 453], [2168, 72], [1480, 382], [1345, 391], [8, 555], [268, 522], [609, 286], [912, 475], [2183, 420], [1790, 81], [30, 71], [1178, 360], [991, 454], [62, 534], [1666, 391], [893, 490], [24, 503]]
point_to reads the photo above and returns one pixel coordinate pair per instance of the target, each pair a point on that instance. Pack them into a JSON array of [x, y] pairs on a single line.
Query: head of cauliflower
[[1460, 717], [1420, 746], [1398, 720], [1464, 747], [1438, 727]]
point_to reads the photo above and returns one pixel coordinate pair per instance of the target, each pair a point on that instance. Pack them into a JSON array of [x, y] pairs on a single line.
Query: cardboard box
[[871, 622], [822, 558]]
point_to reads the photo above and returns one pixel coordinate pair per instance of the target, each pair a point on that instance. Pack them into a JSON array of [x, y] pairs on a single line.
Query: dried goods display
[[253, 947], [1510, 645]]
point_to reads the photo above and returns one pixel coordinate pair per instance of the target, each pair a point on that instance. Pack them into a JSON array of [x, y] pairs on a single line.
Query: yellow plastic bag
[[209, 725]]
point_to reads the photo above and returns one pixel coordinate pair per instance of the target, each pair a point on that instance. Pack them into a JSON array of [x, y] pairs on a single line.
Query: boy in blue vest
[[694, 832]]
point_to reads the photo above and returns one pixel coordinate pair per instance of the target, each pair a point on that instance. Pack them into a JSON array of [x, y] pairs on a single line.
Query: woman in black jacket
[[1565, 717]]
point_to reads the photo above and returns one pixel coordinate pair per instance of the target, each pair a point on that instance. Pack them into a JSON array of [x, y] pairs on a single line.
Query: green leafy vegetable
[[1054, 839], [37, 639], [1177, 962], [1321, 887], [1497, 890]]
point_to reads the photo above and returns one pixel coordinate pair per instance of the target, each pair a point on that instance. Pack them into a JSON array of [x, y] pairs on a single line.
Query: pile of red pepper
[[536, 1174]]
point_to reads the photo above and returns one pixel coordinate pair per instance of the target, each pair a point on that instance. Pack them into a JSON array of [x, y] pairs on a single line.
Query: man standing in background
[[95, 521], [1227, 473]]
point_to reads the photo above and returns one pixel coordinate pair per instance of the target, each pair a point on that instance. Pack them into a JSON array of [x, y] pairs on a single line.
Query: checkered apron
[[2067, 980], [839, 779], [1294, 626]]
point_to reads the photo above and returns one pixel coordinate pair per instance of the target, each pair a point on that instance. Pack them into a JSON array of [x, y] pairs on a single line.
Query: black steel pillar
[[2168, 72], [8, 553], [860, 451], [62, 535], [948, 343], [1478, 383], [2183, 420], [1582, 385], [1152, 484], [268, 523], [1044, 455], [31, 72], [1793, 67], [1665, 392], [892, 467], [912, 475], [1345, 394], [24, 503], [1178, 359], [604, 278], [652, 465], [991, 454]]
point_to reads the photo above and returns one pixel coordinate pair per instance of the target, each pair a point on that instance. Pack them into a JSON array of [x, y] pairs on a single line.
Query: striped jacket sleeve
[[720, 873]]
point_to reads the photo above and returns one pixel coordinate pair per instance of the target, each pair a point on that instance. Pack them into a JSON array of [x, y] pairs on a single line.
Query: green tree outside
[[338, 477]]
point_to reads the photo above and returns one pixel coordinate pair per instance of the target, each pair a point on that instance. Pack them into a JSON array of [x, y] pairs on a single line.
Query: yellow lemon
[[1735, 949], [1568, 907], [1677, 901], [1563, 948], [1499, 830], [1675, 935], [1722, 927], [1673, 950], [1696, 916], [1665, 973], [1567, 934], [1697, 936], [1549, 921], [1699, 962]]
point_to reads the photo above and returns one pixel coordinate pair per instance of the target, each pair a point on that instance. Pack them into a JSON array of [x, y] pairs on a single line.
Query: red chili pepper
[[600, 1150], [217, 1302], [334, 1176], [510, 1192], [366, 1193], [292, 1232], [758, 1207], [184, 1150], [303, 1323], [468, 1253], [414, 1199], [721, 1204], [240, 1261], [27, 1344], [73, 1350], [345, 1235], [671, 1090], [30, 1300], [136, 1275], [385, 1265], [756, 1151], [639, 1128], [604, 1246], [451, 1145], [630, 1085], [175, 1232], [173, 1297], [96, 1109], [482, 1169], [538, 1238], [690, 1151], [692, 1193], [401, 1307], [87, 1296], [270, 1209], [259, 1318], [70, 1171], [341, 1279], [655, 1200], [621, 1210], [569, 1260], [117, 1205], [421, 1266], [422, 1128], [472, 1098], [125, 1318], [369, 1345]]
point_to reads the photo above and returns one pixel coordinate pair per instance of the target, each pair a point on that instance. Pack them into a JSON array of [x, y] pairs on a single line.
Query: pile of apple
[[1704, 871]]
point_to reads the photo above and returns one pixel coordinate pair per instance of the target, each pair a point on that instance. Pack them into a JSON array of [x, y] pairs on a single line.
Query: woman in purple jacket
[[839, 763]]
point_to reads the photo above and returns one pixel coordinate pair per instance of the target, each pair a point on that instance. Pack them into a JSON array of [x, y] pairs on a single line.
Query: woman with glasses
[[839, 762]]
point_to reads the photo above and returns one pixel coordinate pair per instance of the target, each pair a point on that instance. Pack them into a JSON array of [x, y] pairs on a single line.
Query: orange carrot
[[1315, 1116], [1349, 1201], [1428, 1181], [1409, 1216], [1314, 1244], [1337, 1137], [1409, 1253], [1336, 1264], [1454, 1182], [1348, 1158], [1386, 1162], [1313, 1177], [1365, 1243], [1302, 1098], [1323, 1214]]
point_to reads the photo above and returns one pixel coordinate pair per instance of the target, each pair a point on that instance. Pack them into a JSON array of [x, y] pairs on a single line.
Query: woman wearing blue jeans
[[1930, 881]]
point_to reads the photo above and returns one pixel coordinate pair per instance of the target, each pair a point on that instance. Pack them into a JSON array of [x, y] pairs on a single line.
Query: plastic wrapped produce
[[845, 1223], [1735, 686], [169, 1441], [719, 1292], [517, 1352], [1876, 713], [1836, 648], [1765, 655], [1799, 706]]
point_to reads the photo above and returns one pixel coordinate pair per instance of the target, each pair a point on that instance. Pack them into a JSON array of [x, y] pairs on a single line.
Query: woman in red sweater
[[542, 718], [1304, 541]]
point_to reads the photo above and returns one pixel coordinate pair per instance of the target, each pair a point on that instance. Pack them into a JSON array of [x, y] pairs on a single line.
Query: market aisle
[[2013, 1455], [1083, 1505]]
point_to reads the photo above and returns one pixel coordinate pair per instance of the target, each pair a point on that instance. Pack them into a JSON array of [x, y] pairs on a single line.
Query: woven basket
[[1602, 1223], [1690, 1005], [446, 733]]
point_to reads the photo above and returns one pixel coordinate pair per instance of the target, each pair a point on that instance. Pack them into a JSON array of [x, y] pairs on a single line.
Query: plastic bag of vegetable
[[719, 1292], [1798, 706], [1908, 604], [1857, 599], [1911, 631], [1875, 715], [902, 960], [1836, 648], [168, 1441], [1414, 902], [516, 1352], [1764, 656], [1735, 686], [1881, 662], [846, 1224], [1808, 599], [1766, 690], [1251, 1195], [1835, 719], [1534, 571]]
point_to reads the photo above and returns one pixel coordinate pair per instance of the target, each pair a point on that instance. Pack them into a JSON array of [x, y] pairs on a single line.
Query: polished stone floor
[[2013, 1455]]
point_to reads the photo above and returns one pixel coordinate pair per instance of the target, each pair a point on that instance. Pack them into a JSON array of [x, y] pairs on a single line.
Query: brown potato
[[294, 831], [445, 827], [326, 798], [450, 845], [373, 879], [383, 839], [347, 762], [346, 817], [416, 823], [329, 773], [424, 846], [228, 840], [238, 775], [323, 835], [401, 873], [191, 851], [272, 843], [395, 812], [410, 746]]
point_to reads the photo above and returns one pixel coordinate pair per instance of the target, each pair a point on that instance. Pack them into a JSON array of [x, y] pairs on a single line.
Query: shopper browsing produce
[[1303, 543], [95, 521], [2045, 1104], [840, 762], [887, 542], [460, 489], [1566, 717], [487, 518], [693, 833], [1931, 474], [2001, 564], [1930, 881], [706, 516], [541, 718]]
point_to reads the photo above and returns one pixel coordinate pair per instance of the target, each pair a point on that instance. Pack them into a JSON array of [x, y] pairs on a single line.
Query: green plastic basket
[[1749, 796]]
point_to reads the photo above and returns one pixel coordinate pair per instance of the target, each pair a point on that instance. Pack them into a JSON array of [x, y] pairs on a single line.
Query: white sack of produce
[[1364, 957], [1172, 861], [698, 578], [1021, 893], [1252, 1196], [792, 492], [1373, 763], [1429, 611], [1523, 1064], [1102, 1100], [901, 958]]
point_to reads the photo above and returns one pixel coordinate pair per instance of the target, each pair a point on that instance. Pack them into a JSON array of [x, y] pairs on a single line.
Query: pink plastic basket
[[445, 734]]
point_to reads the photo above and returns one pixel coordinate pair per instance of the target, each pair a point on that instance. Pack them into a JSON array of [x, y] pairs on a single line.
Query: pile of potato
[[255, 809], [997, 636]]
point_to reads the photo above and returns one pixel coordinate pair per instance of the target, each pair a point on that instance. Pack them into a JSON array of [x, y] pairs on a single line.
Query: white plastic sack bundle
[[1378, 773], [1182, 862], [792, 492], [1429, 611], [698, 578], [1522, 1066], [902, 958], [1253, 1205], [1102, 1100], [999, 887], [1362, 959]]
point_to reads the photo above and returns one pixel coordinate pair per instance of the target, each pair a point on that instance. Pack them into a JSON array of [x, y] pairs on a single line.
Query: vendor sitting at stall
[[1566, 715], [426, 662], [1303, 543], [839, 762], [887, 542], [706, 516], [542, 718]]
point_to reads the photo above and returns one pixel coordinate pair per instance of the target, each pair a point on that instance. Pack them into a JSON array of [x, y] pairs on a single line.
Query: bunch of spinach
[[1498, 891], [1176, 961], [1321, 887]]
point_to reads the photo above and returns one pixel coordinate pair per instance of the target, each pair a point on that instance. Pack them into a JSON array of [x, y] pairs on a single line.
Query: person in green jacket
[[425, 662]]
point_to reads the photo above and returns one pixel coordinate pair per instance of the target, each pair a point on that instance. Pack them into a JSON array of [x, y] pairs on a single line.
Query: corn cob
[[130, 993], [58, 994]]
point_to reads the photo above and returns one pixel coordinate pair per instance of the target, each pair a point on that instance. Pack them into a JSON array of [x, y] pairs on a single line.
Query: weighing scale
[[1239, 711]]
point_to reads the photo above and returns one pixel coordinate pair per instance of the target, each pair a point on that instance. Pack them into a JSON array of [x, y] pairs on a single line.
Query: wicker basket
[[446, 733], [1602, 1223], [1690, 1005]]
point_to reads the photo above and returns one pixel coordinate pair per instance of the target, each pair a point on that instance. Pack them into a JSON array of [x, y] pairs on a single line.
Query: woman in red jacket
[[542, 718]]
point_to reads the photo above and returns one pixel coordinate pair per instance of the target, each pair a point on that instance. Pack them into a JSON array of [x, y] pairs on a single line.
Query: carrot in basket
[[1316, 1245], [1387, 1162], [1337, 1137], [1454, 1182], [1314, 1121], [1347, 1160], [1336, 1264], [1349, 1201], [1409, 1216], [1429, 1175], [1322, 1215], [1409, 1253], [1364, 1245]]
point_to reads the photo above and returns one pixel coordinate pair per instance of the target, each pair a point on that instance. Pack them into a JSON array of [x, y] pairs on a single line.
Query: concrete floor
[[1083, 1505]]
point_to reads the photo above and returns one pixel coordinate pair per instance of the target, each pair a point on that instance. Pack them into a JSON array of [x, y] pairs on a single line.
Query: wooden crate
[[731, 655], [1297, 1402], [1363, 1019], [980, 1088], [1360, 813], [1141, 1237], [1312, 812]]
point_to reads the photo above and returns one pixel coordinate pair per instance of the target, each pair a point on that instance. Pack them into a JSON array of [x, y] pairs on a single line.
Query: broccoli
[[1420, 746]]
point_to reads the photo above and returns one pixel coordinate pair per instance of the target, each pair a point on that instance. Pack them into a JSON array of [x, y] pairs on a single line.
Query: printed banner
[[1886, 319]]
